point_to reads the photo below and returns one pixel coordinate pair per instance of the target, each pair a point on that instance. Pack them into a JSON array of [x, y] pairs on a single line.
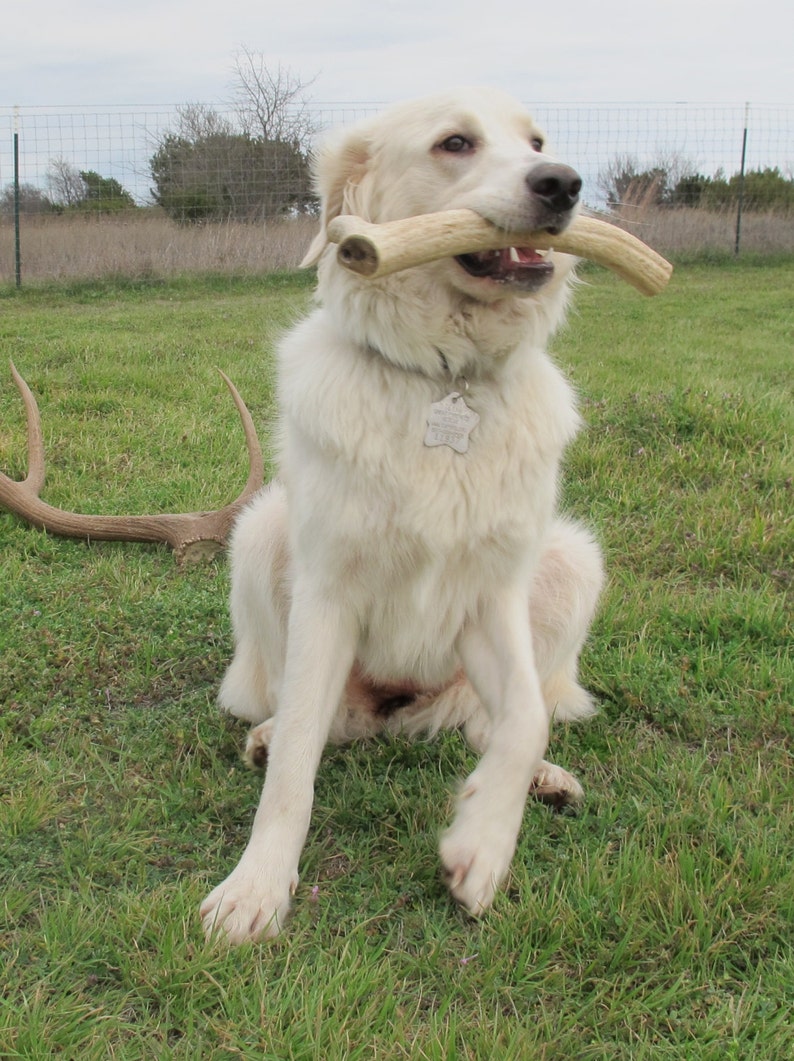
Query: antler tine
[[192, 535], [35, 477], [256, 464]]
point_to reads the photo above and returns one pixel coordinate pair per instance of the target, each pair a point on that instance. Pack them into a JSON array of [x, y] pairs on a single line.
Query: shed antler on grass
[[377, 250], [192, 535]]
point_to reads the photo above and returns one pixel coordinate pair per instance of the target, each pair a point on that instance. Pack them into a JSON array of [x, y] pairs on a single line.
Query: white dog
[[408, 570]]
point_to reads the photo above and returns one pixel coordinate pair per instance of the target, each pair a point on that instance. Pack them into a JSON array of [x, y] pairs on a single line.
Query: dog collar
[[450, 421]]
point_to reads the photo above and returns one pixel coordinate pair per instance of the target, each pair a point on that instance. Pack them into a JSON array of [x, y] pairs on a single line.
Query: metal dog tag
[[450, 423]]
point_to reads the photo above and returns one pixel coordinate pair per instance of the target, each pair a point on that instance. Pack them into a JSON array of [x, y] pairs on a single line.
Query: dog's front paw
[[246, 906], [476, 852], [475, 870]]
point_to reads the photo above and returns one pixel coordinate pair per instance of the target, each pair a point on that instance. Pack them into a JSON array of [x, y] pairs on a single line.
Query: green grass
[[655, 924]]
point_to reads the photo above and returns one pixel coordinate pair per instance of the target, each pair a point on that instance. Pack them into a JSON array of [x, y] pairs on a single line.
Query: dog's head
[[474, 148]]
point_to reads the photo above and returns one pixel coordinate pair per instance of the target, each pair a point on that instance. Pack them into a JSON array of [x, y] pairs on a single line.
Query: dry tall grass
[[148, 245], [683, 230], [144, 244]]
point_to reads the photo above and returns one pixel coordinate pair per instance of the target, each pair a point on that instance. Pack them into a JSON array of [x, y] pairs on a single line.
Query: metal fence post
[[17, 243], [740, 196]]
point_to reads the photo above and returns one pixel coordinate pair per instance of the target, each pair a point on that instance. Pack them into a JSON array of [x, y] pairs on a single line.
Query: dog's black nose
[[557, 186]]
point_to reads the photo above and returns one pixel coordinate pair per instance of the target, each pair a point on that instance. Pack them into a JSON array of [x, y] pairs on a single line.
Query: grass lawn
[[656, 924]]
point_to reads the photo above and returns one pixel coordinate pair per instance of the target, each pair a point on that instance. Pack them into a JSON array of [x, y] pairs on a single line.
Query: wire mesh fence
[[150, 191]]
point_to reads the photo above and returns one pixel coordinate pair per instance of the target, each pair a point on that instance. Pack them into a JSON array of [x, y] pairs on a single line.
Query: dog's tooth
[[514, 255]]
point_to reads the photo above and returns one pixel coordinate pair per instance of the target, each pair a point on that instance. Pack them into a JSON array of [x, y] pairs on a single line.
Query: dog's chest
[[395, 461], [415, 536]]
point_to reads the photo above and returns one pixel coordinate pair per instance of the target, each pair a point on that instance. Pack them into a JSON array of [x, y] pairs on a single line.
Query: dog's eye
[[536, 143], [456, 144]]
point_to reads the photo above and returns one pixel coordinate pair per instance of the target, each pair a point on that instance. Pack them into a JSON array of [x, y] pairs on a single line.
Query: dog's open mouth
[[519, 266]]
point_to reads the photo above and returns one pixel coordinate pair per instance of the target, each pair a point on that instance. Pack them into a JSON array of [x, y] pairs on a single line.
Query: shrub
[[230, 176]]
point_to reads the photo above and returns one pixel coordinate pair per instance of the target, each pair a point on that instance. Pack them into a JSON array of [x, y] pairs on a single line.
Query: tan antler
[[377, 250], [192, 535]]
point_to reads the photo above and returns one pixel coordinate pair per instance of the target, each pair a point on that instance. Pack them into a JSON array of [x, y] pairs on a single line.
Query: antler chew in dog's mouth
[[378, 250]]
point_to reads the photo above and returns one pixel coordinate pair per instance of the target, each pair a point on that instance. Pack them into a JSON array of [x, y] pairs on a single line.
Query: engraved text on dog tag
[[450, 423]]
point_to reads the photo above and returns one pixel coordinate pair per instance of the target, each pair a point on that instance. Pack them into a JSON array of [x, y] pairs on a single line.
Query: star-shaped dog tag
[[450, 423]]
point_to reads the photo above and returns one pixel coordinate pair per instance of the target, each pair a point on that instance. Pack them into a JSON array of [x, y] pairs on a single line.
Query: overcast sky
[[88, 53]]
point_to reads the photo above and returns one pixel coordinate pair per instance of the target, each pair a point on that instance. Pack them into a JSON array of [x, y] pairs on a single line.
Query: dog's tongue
[[521, 266], [516, 256], [510, 257]]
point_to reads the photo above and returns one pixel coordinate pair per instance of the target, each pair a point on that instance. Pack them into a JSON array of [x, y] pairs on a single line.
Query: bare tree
[[209, 170], [251, 165], [65, 183], [271, 104], [198, 121]]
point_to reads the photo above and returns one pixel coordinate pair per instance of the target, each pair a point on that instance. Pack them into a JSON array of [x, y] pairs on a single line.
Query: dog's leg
[[551, 784], [259, 604], [254, 899], [564, 596], [497, 656], [563, 599]]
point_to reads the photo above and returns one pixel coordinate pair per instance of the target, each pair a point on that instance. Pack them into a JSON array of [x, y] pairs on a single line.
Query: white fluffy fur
[[380, 570]]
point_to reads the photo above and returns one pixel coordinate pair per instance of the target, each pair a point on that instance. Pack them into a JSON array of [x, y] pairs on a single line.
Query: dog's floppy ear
[[339, 165]]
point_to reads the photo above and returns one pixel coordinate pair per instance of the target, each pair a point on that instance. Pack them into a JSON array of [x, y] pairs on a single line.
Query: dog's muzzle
[[554, 192]]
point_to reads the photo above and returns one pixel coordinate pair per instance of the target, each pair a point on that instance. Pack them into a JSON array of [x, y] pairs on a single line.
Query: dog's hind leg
[[259, 604], [551, 784], [458, 707], [563, 600]]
